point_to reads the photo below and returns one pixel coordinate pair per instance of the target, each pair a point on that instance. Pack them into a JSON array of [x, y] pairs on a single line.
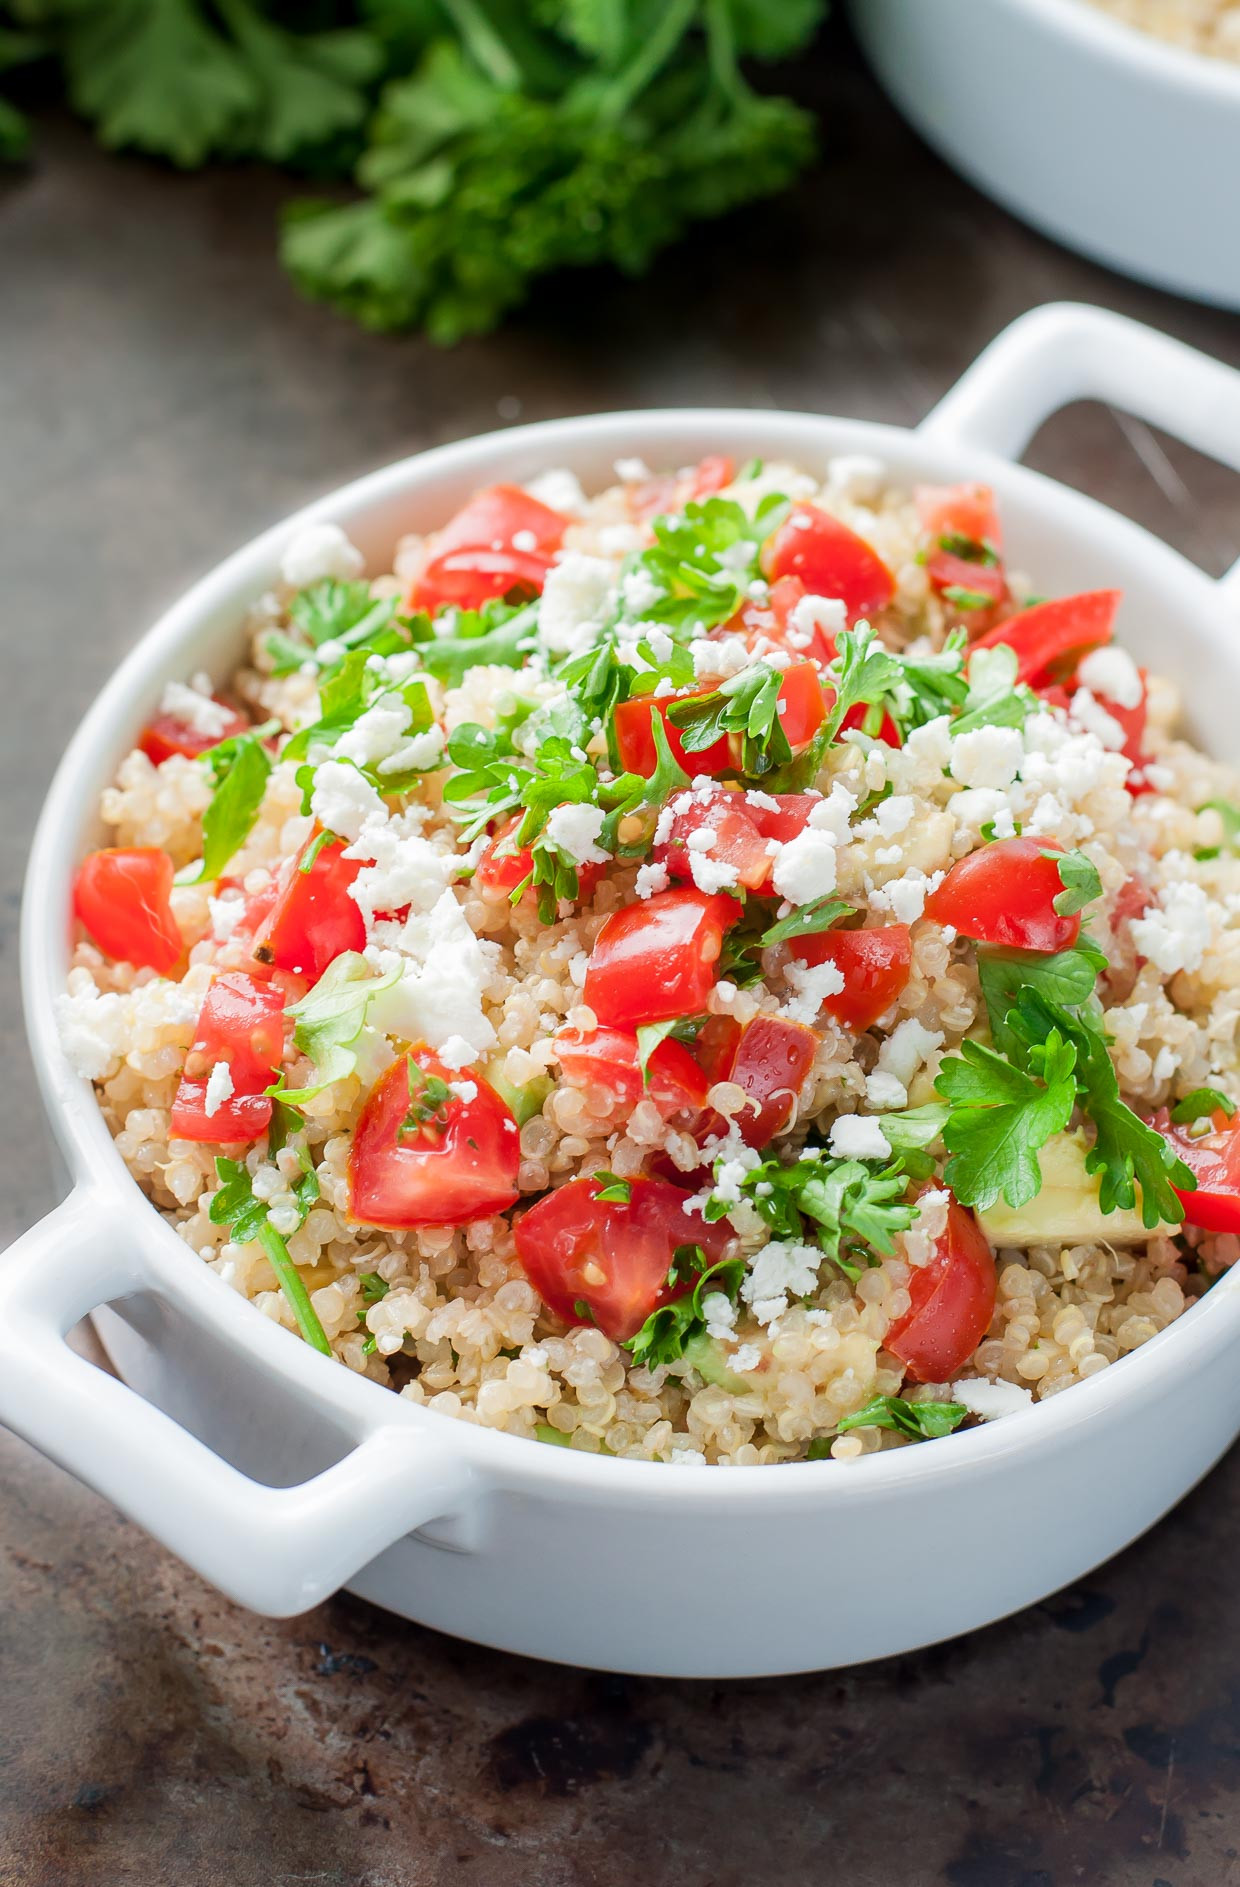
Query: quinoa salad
[[1207, 26], [720, 970]]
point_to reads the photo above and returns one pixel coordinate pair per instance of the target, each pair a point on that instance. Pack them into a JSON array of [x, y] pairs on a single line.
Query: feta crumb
[[1087, 712], [859, 1137], [813, 984], [712, 874], [991, 1399], [200, 712], [559, 489], [575, 599], [989, 756], [883, 1091], [456, 1052], [746, 1359], [906, 897], [574, 829], [651, 878], [1112, 673], [639, 591], [438, 997], [778, 1271], [225, 914], [894, 815], [219, 1088], [317, 551], [400, 867], [1177, 934], [805, 866], [906, 1049], [342, 800], [811, 613], [632, 471], [833, 813], [466, 1091], [922, 1237]]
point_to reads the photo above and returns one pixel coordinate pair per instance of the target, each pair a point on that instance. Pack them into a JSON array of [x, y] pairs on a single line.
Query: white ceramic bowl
[[1114, 142], [280, 1476]]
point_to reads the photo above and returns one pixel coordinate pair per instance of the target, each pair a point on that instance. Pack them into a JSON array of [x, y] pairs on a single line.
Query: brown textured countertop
[[162, 395]]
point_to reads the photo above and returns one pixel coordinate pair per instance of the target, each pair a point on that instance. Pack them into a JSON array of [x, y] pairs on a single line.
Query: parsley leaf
[[663, 1336], [1079, 877], [994, 697], [330, 1022], [235, 1206], [612, 1190], [822, 915], [1000, 1119], [429, 1096], [746, 704], [924, 1421], [241, 767], [335, 614], [1199, 1105], [1065, 976], [843, 1206]]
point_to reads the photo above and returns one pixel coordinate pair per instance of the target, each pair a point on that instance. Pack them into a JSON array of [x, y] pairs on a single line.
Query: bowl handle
[[1068, 351], [278, 1550]]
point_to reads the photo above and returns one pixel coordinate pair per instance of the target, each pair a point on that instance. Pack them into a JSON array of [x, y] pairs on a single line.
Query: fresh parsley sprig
[[848, 1208], [663, 1336], [1001, 1117], [923, 1421], [240, 767], [246, 1216]]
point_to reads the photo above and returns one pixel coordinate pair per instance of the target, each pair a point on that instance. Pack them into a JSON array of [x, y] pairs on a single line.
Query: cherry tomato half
[[830, 560], [448, 1171], [241, 1023], [875, 965], [1050, 639], [242, 1117], [770, 1059], [610, 1256], [122, 896], [953, 1300], [502, 540], [1005, 894], [667, 491], [313, 918], [166, 735], [607, 1061], [1214, 1161], [734, 834], [964, 511], [635, 746], [658, 958]]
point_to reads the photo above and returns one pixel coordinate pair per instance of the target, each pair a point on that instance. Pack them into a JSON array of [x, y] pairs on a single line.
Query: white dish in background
[[279, 1475], [1108, 139]]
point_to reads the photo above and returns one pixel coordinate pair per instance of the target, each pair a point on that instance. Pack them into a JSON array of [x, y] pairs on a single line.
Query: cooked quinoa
[[1208, 26], [472, 982]]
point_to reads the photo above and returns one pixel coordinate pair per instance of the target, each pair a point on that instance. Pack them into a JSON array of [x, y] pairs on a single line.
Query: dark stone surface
[[162, 395]]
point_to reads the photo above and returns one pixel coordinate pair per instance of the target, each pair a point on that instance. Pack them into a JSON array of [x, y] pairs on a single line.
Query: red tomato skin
[[500, 869], [658, 958], [474, 558], [165, 736], [1004, 894], [1214, 1160], [784, 820], [1133, 721], [738, 841], [313, 919], [607, 1059], [830, 560], [875, 965], [1050, 638], [242, 1117], [635, 738], [241, 1022], [802, 704], [948, 571], [771, 1060], [654, 497], [959, 511], [468, 1171], [121, 897], [770, 622], [953, 1301], [613, 1257]]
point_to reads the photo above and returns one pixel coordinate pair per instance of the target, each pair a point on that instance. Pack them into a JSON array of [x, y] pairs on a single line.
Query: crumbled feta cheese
[[721, 657], [198, 711], [805, 866], [574, 829], [376, 733], [1112, 673], [225, 914], [418, 754], [884, 1091], [456, 1052], [703, 839], [928, 749], [219, 1089], [576, 597], [438, 998], [466, 1091], [639, 592], [811, 613], [905, 897], [764, 802], [780, 1270], [342, 800], [746, 1359], [894, 815], [1087, 712], [977, 806], [1165, 1064], [813, 983], [720, 1314], [907, 1048], [1177, 934], [991, 1399], [859, 1137], [617, 540], [632, 471], [922, 1237], [712, 874], [989, 756], [833, 813], [559, 489], [317, 551], [651, 878], [91, 1023], [399, 868]]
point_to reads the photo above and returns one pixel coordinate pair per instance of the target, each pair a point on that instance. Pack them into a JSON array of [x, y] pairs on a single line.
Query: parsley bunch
[[236, 1205], [845, 1207]]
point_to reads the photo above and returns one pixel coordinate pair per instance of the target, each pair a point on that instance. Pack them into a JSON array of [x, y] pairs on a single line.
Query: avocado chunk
[[1066, 1210]]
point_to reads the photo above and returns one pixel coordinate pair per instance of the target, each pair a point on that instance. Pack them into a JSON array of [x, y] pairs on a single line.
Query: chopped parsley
[[1199, 1105], [429, 1096], [663, 1336], [1001, 1117], [924, 1421], [612, 1190], [246, 1217], [240, 767], [845, 1207]]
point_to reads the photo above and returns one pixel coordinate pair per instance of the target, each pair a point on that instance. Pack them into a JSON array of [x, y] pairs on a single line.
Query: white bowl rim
[[1159, 60], [95, 1161]]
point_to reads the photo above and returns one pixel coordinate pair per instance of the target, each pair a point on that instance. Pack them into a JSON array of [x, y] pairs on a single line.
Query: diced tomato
[[736, 840], [607, 1060], [658, 958], [1132, 900], [953, 1301], [167, 735], [259, 907], [830, 560], [608, 1256], [875, 965], [653, 497], [802, 704], [502, 540], [769, 625], [967, 511], [1050, 639], [242, 1117], [949, 572], [770, 1060], [786, 818], [503, 867], [1214, 1160], [1005, 894], [313, 919], [715, 1047], [122, 896], [241, 1022], [635, 738], [445, 1172], [1133, 721]]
